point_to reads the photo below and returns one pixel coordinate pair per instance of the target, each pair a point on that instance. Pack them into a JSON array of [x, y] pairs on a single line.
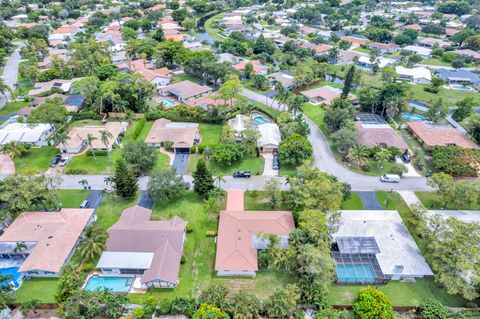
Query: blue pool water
[[260, 120], [13, 274], [413, 117], [167, 103], [114, 284], [355, 273], [460, 87]]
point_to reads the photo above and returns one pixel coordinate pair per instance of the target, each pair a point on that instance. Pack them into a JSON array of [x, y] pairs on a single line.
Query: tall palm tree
[[105, 137], [382, 155], [4, 88], [90, 138], [211, 206], [92, 243], [219, 178], [12, 149], [358, 154], [62, 138], [333, 54]]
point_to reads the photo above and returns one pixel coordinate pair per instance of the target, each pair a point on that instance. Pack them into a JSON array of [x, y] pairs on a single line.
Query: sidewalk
[[410, 198]]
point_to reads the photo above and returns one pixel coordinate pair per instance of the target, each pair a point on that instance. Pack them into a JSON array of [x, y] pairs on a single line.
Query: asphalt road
[[10, 71]]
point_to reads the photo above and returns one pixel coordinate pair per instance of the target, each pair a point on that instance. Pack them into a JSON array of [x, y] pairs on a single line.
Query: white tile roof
[[23, 133], [416, 73]]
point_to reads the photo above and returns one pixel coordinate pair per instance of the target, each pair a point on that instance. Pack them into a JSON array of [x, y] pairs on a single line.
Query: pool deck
[[135, 286]]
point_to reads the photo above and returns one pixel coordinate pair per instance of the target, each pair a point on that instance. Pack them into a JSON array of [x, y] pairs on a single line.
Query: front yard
[[35, 158], [72, 198], [12, 107], [431, 201]]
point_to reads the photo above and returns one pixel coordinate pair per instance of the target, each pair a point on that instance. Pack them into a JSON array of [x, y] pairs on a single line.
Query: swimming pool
[[258, 119], [114, 284], [167, 103], [460, 87], [14, 275], [355, 273], [413, 117]]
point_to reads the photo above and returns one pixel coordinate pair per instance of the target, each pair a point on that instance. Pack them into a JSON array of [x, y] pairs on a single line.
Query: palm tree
[[19, 247], [211, 206], [90, 138], [62, 138], [12, 149], [382, 155], [333, 54], [4, 88], [358, 154], [105, 137], [219, 178], [92, 243], [29, 306]]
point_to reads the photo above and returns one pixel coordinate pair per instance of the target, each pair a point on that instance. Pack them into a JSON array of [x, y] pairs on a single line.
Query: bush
[[455, 160], [373, 303], [86, 115], [139, 128], [432, 309], [193, 150], [97, 153], [398, 169], [211, 233], [75, 171], [183, 259], [189, 229], [431, 89], [168, 145]]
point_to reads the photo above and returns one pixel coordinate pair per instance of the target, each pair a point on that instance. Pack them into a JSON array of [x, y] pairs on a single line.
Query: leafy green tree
[[211, 206], [372, 303], [124, 182], [164, 185], [344, 139], [274, 193], [52, 111], [86, 57], [140, 156], [227, 153], [295, 104], [206, 311], [244, 305], [70, 280], [202, 179], [13, 149], [264, 45], [282, 303], [472, 43], [189, 23], [472, 124], [215, 296], [159, 35], [170, 53], [29, 306], [348, 81], [464, 109], [260, 82], [248, 71], [358, 155], [295, 149], [382, 156]]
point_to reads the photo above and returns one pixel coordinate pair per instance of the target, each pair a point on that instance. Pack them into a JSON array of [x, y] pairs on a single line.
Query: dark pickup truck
[[242, 174]]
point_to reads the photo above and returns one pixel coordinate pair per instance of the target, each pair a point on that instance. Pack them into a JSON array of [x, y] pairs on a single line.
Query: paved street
[[260, 98], [11, 70]]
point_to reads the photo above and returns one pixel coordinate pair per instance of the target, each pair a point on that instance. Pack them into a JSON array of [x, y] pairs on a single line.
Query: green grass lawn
[[417, 148], [146, 129], [82, 123], [183, 77], [436, 61], [72, 198], [212, 31], [449, 97], [93, 165], [400, 293], [363, 50], [353, 203], [22, 90], [35, 158], [37, 288], [431, 201], [12, 107], [257, 200], [211, 133], [322, 84], [288, 170], [249, 163], [315, 113]]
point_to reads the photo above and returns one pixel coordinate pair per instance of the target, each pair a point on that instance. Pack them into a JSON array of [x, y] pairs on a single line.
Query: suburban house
[[50, 240], [431, 42], [286, 78], [468, 54], [355, 40], [418, 75], [149, 250], [374, 247], [346, 57], [242, 233], [258, 67], [185, 90], [416, 49], [461, 76], [381, 135], [73, 103], [365, 62], [23, 133], [43, 87], [322, 49], [183, 135], [239, 124], [78, 136], [322, 95], [385, 48], [431, 134], [158, 77], [269, 137]]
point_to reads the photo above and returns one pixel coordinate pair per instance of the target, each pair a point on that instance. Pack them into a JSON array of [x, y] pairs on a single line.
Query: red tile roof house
[[322, 95], [258, 67], [149, 250], [240, 236], [50, 237], [439, 135], [158, 77], [183, 135], [381, 135]]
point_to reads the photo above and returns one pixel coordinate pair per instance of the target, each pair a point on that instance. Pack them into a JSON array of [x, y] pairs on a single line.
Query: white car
[[63, 161], [390, 178]]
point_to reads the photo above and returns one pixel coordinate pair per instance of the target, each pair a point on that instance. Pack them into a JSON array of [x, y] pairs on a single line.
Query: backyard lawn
[[146, 129], [400, 293], [449, 97], [211, 133], [12, 107], [35, 158], [37, 288], [184, 77], [248, 163], [72, 198], [431, 201]]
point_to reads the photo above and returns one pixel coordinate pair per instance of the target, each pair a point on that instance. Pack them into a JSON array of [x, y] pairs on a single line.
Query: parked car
[[276, 162], [242, 174], [405, 158], [390, 178], [55, 160], [85, 204], [64, 161]]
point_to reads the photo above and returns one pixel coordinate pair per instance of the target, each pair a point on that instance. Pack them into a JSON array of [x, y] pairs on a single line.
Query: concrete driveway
[[145, 200], [180, 163], [370, 200], [267, 168], [95, 198]]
